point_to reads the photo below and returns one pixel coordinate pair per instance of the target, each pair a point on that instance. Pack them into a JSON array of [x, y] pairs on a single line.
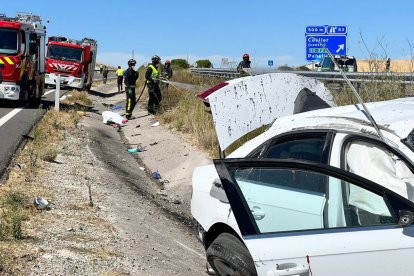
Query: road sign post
[[270, 63], [57, 93], [334, 38]]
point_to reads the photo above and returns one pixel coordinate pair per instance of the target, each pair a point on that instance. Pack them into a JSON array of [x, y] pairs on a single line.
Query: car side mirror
[[218, 192], [406, 218], [317, 65]]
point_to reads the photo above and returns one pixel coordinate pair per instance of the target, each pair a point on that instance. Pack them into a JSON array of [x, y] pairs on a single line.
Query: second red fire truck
[[73, 60]]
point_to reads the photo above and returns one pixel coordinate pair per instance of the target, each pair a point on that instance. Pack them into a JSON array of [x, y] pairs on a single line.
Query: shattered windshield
[[9, 43], [64, 53]]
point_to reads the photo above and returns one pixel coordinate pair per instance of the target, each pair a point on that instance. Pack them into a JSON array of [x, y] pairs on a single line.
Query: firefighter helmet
[[246, 56], [167, 62], [132, 62], [155, 58]]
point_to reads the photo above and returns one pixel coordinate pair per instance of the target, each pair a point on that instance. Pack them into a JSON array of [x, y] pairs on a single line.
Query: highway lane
[[17, 120]]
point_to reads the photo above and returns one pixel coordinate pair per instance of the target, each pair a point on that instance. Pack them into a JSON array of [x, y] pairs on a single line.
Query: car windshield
[[9, 43], [64, 53], [326, 62]]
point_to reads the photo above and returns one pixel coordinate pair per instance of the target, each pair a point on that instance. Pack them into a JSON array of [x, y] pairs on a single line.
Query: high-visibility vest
[[119, 72], [155, 73]]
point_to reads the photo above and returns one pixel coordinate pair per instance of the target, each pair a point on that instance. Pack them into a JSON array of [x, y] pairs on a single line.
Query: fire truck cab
[[22, 57], [73, 60]]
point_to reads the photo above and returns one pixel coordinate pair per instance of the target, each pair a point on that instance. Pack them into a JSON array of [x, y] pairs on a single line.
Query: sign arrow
[[341, 47]]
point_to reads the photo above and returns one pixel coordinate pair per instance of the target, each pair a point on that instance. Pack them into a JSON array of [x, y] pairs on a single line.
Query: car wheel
[[228, 256]]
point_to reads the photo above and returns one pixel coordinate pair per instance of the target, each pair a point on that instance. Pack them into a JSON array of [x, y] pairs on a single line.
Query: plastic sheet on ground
[[112, 117]]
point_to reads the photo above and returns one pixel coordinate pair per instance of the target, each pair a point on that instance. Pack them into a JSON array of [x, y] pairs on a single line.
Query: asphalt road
[[16, 121]]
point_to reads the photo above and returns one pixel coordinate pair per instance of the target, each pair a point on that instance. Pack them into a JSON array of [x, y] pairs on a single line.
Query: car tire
[[227, 255]]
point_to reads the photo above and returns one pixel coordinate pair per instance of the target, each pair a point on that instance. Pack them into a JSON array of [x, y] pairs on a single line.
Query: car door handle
[[289, 269], [257, 213]]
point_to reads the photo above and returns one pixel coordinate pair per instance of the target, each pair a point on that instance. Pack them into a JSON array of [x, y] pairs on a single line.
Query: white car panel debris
[[248, 103]]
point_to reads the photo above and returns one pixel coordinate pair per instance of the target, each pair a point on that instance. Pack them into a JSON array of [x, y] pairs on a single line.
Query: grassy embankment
[[18, 216], [184, 112]]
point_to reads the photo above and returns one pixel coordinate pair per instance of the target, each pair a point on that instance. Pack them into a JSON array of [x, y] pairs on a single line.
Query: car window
[[314, 148], [292, 200], [378, 164]]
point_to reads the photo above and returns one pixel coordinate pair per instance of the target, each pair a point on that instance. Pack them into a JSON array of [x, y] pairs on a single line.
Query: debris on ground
[[153, 144], [155, 124], [41, 203], [155, 175], [137, 149], [81, 113], [112, 117], [108, 105], [28, 137], [19, 166], [117, 107], [138, 126]]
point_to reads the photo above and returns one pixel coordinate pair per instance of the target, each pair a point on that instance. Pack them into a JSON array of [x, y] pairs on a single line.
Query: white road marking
[[181, 244], [191, 250], [12, 113], [48, 92]]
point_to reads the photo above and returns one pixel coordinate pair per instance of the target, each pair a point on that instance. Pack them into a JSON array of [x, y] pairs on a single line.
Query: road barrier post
[[57, 93]]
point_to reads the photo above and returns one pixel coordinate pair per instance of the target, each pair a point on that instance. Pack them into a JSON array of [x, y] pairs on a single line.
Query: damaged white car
[[322, 192]]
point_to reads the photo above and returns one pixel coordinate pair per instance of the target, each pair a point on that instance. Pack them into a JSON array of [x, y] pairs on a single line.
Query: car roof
[[394, 116]]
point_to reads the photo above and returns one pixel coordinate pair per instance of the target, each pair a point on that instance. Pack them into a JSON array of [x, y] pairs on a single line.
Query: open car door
[[300, 218]]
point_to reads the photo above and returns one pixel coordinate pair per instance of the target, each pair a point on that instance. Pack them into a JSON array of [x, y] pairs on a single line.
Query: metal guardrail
[[404, 78], [216, 72]]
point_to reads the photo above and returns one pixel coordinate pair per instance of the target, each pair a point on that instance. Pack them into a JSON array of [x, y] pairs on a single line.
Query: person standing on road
[[167, 74], [388, 65], [105, 74], [131, 77], [152, 76], [100, 68], [120, 75], [245, 63]]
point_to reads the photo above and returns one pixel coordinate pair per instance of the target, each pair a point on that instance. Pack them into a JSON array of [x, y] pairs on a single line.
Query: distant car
[[318, 193]]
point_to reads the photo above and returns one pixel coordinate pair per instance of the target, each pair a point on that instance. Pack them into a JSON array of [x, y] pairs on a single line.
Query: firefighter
[[120, 75], [166, 74], [152, 76], [130, 78], [167, 71], [245, 63]]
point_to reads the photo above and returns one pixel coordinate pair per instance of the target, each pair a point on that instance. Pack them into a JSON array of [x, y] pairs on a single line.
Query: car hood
[[248, 103]]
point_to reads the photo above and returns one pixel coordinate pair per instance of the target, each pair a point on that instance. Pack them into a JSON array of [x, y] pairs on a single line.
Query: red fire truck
[[22, 57], [73, 60]]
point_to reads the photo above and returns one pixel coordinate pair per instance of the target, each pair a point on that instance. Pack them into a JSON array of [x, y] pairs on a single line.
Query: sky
[[216, 29]]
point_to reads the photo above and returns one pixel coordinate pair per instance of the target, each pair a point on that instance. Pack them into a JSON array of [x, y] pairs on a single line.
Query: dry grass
[[77, 97], [184, 112], [18, 191], [186, 76], [378, 65]]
